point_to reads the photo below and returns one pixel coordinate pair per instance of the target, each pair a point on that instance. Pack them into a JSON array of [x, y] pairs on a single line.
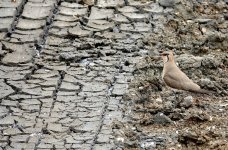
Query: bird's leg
[[176, 94]]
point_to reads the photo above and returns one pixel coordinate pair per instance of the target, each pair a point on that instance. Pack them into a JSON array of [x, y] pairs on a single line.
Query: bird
[[175, 78]]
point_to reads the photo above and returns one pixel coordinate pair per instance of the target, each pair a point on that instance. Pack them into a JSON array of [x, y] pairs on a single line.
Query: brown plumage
[[175, 78]]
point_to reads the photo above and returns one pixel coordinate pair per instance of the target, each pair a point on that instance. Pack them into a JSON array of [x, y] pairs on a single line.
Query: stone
[[9, 103], [161, 118], [10, 131], [111, 35], [35, 91], [55, 127], [185, 13], [78, 31], [110, 3], [17, 57], [21, 96], [36, 32], [8, 120], [104, 146], [4, 27], [142, 27], [67, 56], [5, 23], [72, 12], [31, 102], [56, 41], [203, 20], [57, 32], [66, 93], [18, 38], [37, 12], [44, 74], [66, 18], [5, 89], [19, 145], [49, 83], [19, 138], [136, 16], [34, 81], [42, 3], [69, 78], [188, 135], [72, 5], [206, 82], [42, 145], [3, 34], [148, 144], [89, 2], [168, 3], [9, 4], [58, 67], [69, 87], [63, 24], [80, 146], [30, 108], [103, 138], [136, 3], [89, 126], [27, 24], [187, 102], [3, 112], [97, 13], [94, 87], [22, 84], [100, 25], [126, 27], [70, 139], [7, 12], [127, 9], [210, 62], [189, 61], [119, 89], [154, 8], [13, 75], [120, 18]]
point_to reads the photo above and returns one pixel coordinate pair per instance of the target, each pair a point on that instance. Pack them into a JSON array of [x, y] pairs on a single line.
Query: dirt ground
[[158, 117]]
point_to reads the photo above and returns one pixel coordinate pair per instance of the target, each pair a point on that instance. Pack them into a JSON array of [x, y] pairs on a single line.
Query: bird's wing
[[177, 79], [172, 80]]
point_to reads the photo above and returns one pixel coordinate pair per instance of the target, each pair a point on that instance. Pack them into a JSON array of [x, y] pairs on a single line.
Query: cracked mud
[[85, 74]]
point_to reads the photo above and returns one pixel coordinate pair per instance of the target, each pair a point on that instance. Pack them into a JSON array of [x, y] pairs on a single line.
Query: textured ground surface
[[76, 74]]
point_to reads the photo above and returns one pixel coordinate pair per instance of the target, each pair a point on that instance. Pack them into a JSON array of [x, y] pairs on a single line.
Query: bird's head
[[167, 56]]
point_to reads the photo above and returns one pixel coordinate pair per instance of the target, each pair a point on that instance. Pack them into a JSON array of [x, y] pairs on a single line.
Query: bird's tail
[[203, 91]]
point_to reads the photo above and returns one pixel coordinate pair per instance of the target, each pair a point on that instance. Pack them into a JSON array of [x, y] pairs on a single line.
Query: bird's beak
[[174, 51]]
